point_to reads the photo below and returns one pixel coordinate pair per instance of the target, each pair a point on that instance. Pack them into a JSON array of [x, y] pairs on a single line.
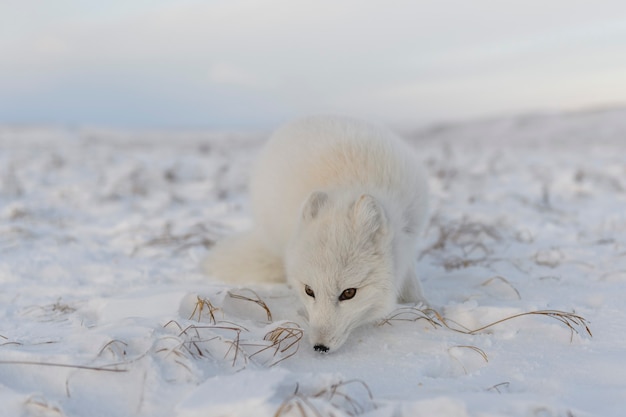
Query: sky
[[253, 64]]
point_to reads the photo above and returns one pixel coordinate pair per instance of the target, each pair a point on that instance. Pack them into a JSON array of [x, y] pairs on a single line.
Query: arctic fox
[[338, 205]]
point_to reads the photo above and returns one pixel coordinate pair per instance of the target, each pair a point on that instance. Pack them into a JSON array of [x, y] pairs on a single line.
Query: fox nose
[[320, 348]]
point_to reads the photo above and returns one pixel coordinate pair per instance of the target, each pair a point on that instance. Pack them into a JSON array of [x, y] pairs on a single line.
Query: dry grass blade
[[448, 323], [173, 322], [236, 349], [357, 408], [234, 327], [63, 365], [39, 406], [197, 342], [570, 320], [503, 280], [474, 348], [10, 342], [257, 300], [409, 314], [175, 351], [498, 386], [116, 347], [285, 340]]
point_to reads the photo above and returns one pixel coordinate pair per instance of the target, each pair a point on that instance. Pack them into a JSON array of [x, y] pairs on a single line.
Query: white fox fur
[[338, 204]]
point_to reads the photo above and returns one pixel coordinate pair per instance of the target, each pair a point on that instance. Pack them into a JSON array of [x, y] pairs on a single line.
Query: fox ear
[[312, 206], [369, 216]]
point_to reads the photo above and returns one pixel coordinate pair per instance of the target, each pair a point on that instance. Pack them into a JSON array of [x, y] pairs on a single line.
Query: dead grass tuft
[[197, 235], [471, 239], [462, 233], [254, 299], [457, 262], [62, 308], [56, 311], [224, 341], [285, 342], [202, 304], [199, 341], [326, 402]]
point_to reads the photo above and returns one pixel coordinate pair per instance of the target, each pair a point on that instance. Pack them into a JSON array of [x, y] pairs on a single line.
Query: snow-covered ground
[[105, 313]]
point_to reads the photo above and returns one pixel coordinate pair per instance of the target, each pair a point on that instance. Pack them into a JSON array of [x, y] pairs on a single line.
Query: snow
[[106, 313]]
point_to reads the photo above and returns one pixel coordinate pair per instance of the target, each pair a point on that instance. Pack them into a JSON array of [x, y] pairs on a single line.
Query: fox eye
[[309, 291], [347, 294]]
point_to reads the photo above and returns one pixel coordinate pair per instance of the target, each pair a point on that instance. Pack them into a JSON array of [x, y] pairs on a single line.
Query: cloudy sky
[[252, 64]]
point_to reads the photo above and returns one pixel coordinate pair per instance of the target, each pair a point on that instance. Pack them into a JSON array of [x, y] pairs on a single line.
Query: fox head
[[339, 262]]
